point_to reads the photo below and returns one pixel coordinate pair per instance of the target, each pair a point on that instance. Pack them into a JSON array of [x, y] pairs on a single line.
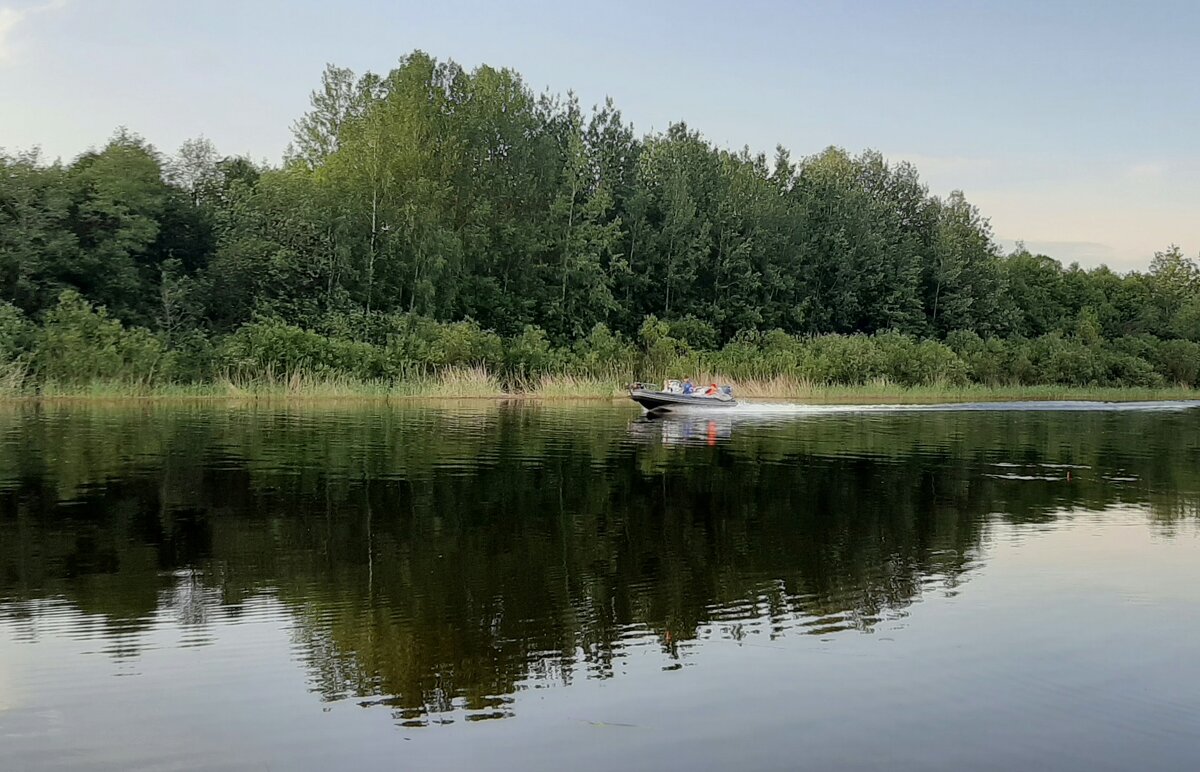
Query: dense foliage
[[434, 217]]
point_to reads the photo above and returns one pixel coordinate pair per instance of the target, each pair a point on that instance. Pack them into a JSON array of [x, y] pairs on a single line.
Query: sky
[[1073, 126]]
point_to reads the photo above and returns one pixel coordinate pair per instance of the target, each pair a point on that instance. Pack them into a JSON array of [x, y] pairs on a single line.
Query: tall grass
[[479, 383], [455, 382], [451, 383], [13, 379], [297, 384], [460, 383], [112, 389], [873, 391], [574, 387]]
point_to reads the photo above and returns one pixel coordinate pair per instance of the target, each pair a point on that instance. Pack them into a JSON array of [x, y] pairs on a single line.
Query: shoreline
[[876, 393]]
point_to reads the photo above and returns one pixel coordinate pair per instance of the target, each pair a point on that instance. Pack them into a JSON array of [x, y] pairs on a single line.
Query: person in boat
[[712, 390], [688, 386]]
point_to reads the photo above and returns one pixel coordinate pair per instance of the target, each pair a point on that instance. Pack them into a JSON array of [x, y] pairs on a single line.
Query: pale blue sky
[[1073, 125]]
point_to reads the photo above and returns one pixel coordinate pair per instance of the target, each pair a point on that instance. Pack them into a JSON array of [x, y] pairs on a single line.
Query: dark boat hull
[[661, 401]]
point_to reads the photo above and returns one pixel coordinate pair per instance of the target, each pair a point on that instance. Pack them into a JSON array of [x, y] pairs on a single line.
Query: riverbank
[[475, 383]]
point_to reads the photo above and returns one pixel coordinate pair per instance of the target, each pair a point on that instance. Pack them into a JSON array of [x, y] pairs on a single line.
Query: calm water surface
[[574, 587]]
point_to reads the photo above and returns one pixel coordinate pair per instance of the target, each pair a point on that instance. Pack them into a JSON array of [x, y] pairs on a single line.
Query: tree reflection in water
[[433, 559]]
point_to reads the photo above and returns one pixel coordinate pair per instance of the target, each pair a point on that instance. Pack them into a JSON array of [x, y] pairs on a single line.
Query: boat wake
[[790, 408], [695, 425]]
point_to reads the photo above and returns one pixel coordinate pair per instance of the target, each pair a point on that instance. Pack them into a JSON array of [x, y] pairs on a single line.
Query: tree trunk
[[371, 250], [567, 244]]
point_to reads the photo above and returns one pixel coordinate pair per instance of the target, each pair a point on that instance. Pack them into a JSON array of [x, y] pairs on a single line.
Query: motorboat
[[672, 397]]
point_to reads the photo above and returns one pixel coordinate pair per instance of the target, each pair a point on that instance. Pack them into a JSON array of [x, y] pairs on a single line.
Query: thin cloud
[[11, 18]]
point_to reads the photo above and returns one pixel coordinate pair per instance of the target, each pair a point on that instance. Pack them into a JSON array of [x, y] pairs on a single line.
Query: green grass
[[478, 383], [574, 387], [458, 383], [464, 383]]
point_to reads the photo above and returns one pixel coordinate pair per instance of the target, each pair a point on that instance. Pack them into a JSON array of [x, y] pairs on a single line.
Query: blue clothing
[[688, 388]]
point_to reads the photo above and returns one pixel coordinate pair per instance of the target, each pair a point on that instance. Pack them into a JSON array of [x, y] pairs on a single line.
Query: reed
[[458, 383], [474, 383], [566, 386], [13, 379], [299, 385], [454, 383]]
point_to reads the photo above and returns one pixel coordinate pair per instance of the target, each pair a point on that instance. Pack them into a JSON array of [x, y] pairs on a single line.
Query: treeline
[[437, 217]]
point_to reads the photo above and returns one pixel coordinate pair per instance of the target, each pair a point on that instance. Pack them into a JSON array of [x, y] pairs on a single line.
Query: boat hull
[[661, 401]]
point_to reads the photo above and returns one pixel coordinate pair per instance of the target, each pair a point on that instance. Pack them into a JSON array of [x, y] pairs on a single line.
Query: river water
[[572, 586]]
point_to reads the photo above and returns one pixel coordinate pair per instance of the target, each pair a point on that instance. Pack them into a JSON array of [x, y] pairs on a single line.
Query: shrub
[[1178, 361], [660, 352], [465, 344], [79, 343], [603, 353], [1067, 361], [841, 359], [191, 358], [273, 347], [415, 343], [693, 334], [530, 355], [988, 361], [16, 333], [1127, 370], [915, 363]]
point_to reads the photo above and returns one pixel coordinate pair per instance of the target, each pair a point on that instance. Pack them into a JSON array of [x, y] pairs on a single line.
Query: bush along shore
[[442, 231], [80, 351]]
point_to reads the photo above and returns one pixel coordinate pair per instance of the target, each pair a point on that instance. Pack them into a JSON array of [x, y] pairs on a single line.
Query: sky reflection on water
[[534, 587]]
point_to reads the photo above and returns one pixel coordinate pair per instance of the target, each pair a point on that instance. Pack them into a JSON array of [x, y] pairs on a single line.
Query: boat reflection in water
[[682, 428]]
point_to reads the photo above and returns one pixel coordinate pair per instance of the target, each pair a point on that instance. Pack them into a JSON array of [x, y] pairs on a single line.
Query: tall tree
[[340, 98]]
